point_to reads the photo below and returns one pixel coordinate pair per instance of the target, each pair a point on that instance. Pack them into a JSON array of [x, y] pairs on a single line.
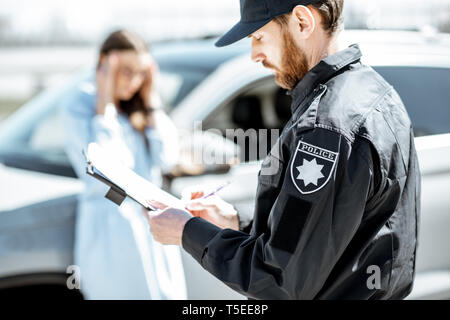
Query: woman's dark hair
[[121, 40]]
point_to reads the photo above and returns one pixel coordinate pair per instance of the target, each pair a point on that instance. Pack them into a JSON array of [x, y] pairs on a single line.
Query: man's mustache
[[269, 65]]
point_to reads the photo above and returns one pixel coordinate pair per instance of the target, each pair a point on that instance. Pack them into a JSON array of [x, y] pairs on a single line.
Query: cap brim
[[240, 31]]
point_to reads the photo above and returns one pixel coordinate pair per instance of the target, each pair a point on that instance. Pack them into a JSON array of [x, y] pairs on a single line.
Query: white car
[[217, 89]]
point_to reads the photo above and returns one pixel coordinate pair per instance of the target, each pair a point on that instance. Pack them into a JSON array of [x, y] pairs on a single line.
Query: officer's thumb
[[157, 205], [195, 205], [191, 194]]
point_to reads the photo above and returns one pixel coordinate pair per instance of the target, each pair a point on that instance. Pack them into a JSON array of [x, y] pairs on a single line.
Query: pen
[[215, 191]]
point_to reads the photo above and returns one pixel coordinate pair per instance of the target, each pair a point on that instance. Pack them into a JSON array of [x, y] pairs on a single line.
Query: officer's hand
[[212, 209], [168, 224]]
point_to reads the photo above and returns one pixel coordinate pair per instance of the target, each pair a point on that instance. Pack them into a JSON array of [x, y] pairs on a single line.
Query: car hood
[[20, 188]]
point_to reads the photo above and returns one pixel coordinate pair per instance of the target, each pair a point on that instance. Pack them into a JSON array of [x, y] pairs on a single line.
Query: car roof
[[202, 56], [199, 55]]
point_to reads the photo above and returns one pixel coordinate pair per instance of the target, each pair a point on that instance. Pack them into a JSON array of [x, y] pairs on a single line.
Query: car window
[[47, 134], [41, 149], [168, 86], [426, 95], [258, 109], [32, 138], [264, 106], [175, 84]]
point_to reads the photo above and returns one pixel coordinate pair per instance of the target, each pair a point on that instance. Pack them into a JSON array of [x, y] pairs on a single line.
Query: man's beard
[[294, 65]]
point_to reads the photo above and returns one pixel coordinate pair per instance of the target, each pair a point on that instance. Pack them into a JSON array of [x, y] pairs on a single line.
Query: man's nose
[[257, 55]]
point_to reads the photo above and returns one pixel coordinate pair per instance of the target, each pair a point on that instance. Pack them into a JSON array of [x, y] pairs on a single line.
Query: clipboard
[[122, 181], [115, 193]]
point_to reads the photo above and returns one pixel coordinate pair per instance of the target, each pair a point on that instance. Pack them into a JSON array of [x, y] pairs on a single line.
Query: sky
[[70, 27], [47, 21], [90, 20]]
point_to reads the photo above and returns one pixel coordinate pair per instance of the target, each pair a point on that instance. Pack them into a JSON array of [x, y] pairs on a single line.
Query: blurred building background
[[42, 42]]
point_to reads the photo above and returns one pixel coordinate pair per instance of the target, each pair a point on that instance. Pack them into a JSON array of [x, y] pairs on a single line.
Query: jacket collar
[[322, 72]]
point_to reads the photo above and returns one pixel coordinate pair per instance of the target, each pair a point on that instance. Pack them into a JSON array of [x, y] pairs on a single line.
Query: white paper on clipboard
[[135, 186]]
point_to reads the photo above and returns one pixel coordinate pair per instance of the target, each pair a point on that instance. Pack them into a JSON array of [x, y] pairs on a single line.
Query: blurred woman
[[118, 108]]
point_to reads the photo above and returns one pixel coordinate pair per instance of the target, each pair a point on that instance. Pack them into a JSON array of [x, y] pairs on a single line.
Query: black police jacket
[[337, 204]]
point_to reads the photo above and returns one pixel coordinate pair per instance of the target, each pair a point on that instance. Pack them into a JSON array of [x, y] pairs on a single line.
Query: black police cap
[[257, 13]]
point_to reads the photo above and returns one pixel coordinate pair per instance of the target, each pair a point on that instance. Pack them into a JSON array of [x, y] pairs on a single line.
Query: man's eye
[[256, 37]]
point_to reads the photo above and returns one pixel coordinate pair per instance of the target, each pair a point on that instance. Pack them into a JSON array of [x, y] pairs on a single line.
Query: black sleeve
[[324, 189]]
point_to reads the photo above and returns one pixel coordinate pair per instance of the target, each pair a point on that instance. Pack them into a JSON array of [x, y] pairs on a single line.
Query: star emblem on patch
[[312, 167], [310, 172]]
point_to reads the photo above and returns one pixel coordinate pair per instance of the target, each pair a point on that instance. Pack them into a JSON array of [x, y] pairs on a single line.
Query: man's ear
[[305, 20]]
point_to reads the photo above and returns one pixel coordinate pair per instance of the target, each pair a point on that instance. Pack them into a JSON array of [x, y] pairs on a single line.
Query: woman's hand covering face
[[105, 78], [146, 90]]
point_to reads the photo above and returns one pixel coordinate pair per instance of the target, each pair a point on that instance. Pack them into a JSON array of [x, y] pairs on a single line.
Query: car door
[[38, 196], [424, 91]]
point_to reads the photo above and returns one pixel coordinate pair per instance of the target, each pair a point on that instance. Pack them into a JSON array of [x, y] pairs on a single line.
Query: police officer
[[337, 204]]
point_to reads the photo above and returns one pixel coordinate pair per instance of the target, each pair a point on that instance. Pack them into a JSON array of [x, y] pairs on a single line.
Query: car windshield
[[175, 86], [184, 64]]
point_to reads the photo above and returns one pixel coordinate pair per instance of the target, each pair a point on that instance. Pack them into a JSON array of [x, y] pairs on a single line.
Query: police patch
[[312, 167]]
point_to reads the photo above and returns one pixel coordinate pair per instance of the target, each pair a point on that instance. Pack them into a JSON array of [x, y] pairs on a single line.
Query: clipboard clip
[[115, 193]]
